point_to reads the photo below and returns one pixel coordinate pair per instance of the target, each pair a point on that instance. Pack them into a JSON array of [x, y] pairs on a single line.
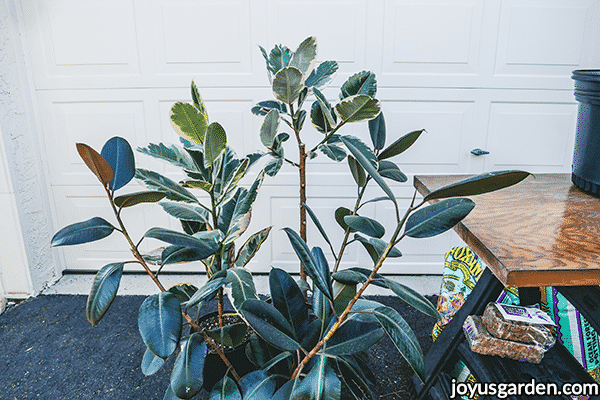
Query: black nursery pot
[[214, 367], [586, 155]]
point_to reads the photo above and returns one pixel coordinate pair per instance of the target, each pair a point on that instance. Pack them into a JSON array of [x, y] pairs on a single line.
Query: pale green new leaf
[[188, 122], [198, 102], [215, 143]]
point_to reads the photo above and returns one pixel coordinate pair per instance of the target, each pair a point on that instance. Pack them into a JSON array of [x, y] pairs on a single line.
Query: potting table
[[540, 232]]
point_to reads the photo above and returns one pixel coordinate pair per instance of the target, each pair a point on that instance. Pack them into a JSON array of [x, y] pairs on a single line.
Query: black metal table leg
[[487, 289]]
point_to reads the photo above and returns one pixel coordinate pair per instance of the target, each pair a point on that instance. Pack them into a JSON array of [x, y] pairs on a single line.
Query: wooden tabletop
[[541, 232]]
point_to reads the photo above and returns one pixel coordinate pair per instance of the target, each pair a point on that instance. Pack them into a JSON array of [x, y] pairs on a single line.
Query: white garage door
[[491, 74]]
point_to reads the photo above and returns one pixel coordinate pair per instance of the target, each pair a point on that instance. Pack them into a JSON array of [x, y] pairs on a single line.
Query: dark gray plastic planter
[[586, 155]]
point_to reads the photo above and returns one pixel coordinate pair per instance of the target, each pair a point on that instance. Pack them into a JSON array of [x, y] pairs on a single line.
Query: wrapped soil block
[[482, 342], [520, 324]]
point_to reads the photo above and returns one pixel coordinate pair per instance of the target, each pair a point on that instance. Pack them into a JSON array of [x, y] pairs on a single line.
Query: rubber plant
[[210, 227], [313, 348]]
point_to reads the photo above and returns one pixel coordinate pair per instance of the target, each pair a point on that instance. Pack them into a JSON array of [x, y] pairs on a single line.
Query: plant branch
[[328, 136], [359, 293], [141, 260], [345, 242]]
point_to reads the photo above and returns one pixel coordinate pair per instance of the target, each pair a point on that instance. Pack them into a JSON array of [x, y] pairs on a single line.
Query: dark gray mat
[[49, 351]]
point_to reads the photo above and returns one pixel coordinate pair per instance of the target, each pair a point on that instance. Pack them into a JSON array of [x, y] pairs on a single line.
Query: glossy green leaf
[[289, 300], [103, 292], [242, 286], [118, 154], [412, 297], [131, 199], [403, 338], [357, 108], [353, 337], [310, 264], [365, 225], [400, 145], [251, 247], [348, 277], [215, 143], [179, 254], [277, 143], [187, 375], [315, 220], [332, 151], [479, 184], [318, 120], [240, 210], [363, 83], [359, 145], [198, 172], [377, 131], [96, 163], [189, 122], [151, 363], [202, 185], [82, 232], [322, 75], [358, 172], [365, 162], [173, 154], [186, 212], [269, 127], [389, 170], [198, 102], [321, 382], [305, 56], [169, 395], [229, 335], [342, 295], [437, 218], [158, 182], [287, 84], [183, 291], [377, 246], [231, 180], [273, 166], [279, 58], [269, 324], [225, 389], [208, 246], [206, 292], [378, 280], [257, 385], [259, 352], [354, 380], [340, 214], [160, 323], [263, 107], [326, 109]]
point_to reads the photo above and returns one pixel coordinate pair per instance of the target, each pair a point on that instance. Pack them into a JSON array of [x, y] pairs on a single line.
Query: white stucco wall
[[27, 264]]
